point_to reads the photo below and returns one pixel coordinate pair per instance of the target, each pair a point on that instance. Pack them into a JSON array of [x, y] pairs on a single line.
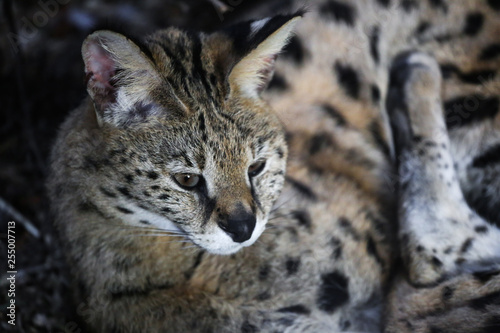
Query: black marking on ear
[[294, 51], [447, 293], [298, 309], [139, 112], [439, 4], [466, 110], [333, 292], [495, 4], [482, 302], [338, 11], [489, 157], [292, 265], [348, 79], [335, 114], [243, 39], [277, 83], [379, 140], [490, 52], [124, 210], [473, 24], [374, 40], [246, 327], [303, 189], [409, 5], [107, 192], [384, 3]]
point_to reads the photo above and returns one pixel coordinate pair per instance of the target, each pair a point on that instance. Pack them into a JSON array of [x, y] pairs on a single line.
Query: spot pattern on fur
[[490, 52], [294, 51], [333, 292], [348, 78], [465, 110], [329, 248], [338, 11], [473, 24]]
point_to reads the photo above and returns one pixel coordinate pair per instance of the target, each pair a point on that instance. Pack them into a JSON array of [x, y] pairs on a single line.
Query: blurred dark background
[[41, 81]]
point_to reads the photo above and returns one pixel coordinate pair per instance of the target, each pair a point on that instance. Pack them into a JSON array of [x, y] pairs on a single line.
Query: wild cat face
[[206, 156]]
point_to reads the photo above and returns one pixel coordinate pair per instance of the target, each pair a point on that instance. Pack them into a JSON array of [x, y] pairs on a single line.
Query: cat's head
[[205, 156]]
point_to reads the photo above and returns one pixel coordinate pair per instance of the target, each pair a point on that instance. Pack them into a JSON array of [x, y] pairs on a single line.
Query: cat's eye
[[187, 180], [256, 168]]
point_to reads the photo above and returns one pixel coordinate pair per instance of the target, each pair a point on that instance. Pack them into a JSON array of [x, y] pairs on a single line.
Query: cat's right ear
[[118, 73], [258, 43]]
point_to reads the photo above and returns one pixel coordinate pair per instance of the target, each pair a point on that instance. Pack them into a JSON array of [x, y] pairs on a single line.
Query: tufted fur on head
[[121, 75]]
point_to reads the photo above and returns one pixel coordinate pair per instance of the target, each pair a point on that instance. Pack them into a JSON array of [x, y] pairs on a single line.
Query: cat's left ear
[[258, 44]]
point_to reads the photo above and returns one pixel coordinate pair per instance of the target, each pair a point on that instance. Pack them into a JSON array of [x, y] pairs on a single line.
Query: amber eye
[[187, 180], [256, 168]]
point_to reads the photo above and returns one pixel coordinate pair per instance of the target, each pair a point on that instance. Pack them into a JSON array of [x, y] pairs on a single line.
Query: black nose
[[239, 226]]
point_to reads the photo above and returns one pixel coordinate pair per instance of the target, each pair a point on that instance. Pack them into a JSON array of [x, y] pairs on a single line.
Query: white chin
[[225, 250], [226, 246], [232, 247]]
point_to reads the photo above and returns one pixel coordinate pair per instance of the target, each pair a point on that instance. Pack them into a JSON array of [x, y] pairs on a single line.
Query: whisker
[[174, 241], [286, 201], [161, 234], [191, 247]]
